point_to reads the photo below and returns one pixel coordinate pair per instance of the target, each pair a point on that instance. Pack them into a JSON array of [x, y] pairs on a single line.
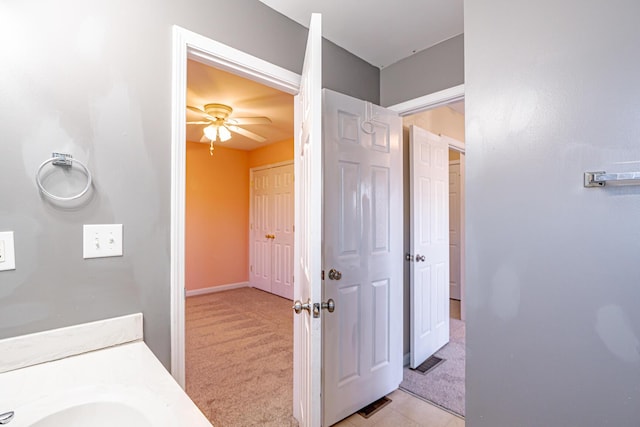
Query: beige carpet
[[445, 384], [239, 357]]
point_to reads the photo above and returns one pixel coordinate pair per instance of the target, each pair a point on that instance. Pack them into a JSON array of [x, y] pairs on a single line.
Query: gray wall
[[431, 70], [553, 278], [93, 78]]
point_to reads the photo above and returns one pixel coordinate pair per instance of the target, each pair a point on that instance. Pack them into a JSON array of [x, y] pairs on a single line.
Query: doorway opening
[[239, 250], [444, 385]]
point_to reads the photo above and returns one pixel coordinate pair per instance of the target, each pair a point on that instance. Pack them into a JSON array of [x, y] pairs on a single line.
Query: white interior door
[[272, 214], [429, 318], [362, 339], [455, 222], [307, 350], [260, 269], [282, 231]]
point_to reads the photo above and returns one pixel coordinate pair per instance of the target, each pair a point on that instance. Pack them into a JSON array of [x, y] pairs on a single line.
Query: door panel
[[363, 240], [429, 317], [350, 214]]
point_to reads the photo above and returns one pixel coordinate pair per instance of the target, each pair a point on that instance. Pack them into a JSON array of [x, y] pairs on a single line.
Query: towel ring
[[63, 160]]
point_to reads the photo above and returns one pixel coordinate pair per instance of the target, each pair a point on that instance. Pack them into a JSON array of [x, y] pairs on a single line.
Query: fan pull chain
[[211, 148]]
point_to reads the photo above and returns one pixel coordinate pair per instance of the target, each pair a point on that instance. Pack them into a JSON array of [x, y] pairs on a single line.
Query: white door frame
[[428, 102], [189, 45]]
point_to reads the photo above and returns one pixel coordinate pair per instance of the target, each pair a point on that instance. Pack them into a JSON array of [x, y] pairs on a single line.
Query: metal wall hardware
[[63, 160], [600, 179], [269, 236]]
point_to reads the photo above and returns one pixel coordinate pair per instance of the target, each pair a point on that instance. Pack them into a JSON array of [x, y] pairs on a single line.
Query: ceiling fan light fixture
[[211, 132], [224, 133]]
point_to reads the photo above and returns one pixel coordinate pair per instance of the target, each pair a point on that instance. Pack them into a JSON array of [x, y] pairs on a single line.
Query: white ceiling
[[380, 32], [208, 85]]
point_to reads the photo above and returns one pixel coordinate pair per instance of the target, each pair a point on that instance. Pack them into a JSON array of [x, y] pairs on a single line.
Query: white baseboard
[[406, 359], [218, 288]]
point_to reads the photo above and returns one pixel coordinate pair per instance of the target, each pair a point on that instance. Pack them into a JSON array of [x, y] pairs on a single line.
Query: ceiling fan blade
[[200, 112], [249, 121], [198, 123], [246, 133], [196, 110]]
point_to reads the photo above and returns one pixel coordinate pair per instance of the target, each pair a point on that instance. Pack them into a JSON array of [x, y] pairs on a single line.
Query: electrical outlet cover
[[102, 240]]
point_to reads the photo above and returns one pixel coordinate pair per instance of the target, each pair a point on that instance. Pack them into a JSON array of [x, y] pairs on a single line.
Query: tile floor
[[405, 411]]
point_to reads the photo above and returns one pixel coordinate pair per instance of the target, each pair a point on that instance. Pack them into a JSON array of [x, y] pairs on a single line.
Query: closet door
[[271, 230], [282, 231], [260, 230]]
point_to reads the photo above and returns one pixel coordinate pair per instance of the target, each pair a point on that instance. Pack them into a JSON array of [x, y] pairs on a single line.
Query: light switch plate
[[101, 240], [7, 256]]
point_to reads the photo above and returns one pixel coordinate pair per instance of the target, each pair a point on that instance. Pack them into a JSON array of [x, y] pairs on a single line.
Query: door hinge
[[251, 268], [322, 274]]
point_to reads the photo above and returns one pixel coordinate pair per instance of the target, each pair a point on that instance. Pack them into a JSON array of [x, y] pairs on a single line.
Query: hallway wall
[[553, 322]]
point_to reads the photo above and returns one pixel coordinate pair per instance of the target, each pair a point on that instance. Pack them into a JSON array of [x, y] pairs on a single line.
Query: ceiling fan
[[220, 125]]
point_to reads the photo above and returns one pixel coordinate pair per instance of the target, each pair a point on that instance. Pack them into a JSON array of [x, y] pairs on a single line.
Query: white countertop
[[98, 374]]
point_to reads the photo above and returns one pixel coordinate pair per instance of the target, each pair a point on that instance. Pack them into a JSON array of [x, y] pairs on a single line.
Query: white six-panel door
[[272, 211], [362, 339], [429, 317]]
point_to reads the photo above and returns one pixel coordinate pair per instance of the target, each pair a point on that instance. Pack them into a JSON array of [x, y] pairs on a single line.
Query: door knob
[[298, 306], [335, 274], [420, 258], [330, 305]]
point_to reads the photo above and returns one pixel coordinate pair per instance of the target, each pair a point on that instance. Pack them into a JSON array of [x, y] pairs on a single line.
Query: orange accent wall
[[273, 153], [217, 216]]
